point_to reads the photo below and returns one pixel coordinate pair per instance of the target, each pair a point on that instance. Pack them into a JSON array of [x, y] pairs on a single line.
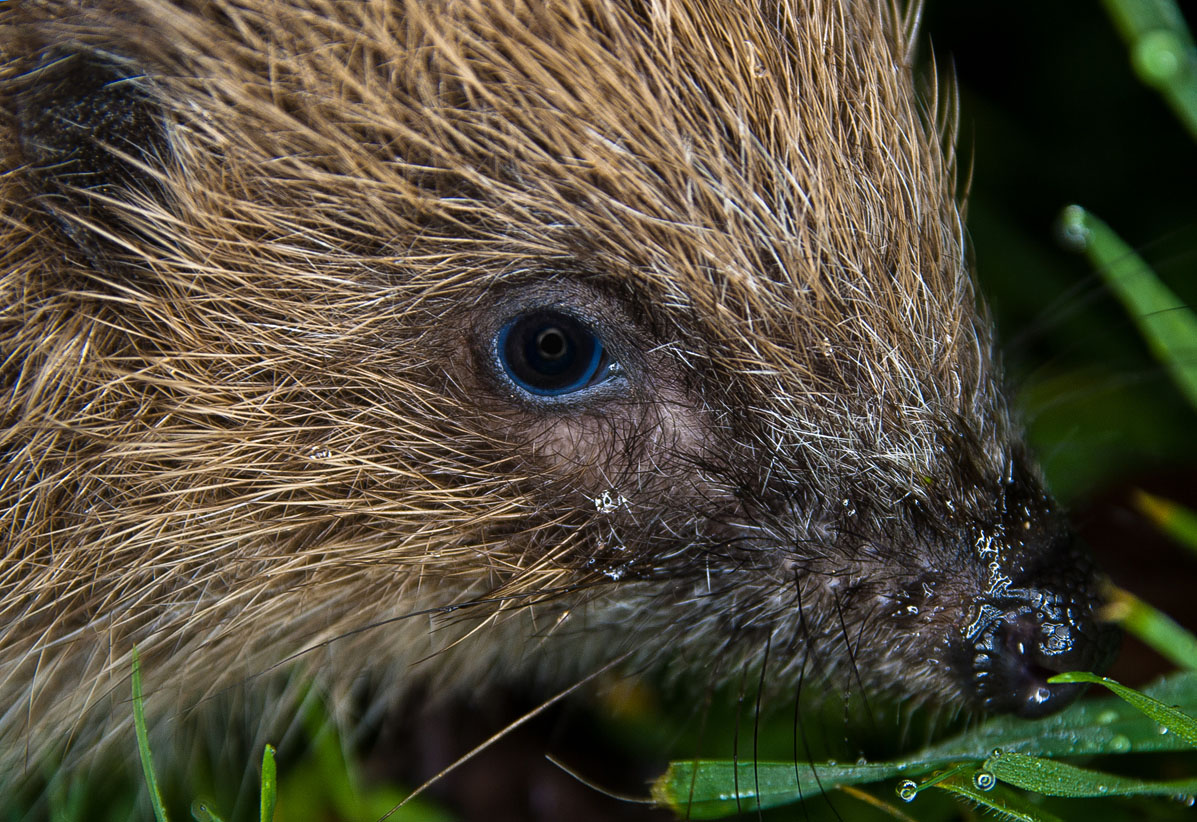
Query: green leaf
[[143, 742], [709, 789], [1052, 778], [1172, 718], [1166, 323], [1087, 728], [1004, 803]]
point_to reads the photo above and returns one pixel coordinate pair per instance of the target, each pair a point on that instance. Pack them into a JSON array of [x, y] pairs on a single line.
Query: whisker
[[495, 737], [855, 669], [756, 725], [810, 759], [736, 735]]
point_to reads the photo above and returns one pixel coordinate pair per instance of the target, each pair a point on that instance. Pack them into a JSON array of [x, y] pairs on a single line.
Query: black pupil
[[549, 354], [551, 343]]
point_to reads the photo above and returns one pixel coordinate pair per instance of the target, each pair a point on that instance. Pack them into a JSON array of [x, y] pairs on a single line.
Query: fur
[[254, 255]]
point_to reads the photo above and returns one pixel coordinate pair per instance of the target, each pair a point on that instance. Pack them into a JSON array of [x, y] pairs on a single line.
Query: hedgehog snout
[[1022, 639]]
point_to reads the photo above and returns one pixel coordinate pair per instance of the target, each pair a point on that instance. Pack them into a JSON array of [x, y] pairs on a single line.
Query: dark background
[[1052, 114]]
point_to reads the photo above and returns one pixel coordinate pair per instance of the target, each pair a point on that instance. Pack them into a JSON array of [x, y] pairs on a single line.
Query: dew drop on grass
[[1072, 230], [1186, 799], [1120, 744], [1106, 717], [908, 789], [984, 780], [1159, 57]]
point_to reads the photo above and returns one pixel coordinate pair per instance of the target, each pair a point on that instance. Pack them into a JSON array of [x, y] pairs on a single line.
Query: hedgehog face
[[582, 330]]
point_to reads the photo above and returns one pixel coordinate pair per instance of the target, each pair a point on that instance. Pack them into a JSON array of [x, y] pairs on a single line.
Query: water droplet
[[1186, 799], [861, 760], [996, 753], [1072, 231], [984, 780], [1103, 789], [907, 790], [1120, 744], [1106, 717], [1159, 57], [1163, 730], [609, 501]]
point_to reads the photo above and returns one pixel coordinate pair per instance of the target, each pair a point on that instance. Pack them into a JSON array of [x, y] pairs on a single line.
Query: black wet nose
[[1020, 644]]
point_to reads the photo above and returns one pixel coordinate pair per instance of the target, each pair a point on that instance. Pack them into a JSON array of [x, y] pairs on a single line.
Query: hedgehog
[[447, 343]]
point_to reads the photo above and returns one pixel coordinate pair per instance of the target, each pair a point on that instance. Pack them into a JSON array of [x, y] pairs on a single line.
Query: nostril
[[1020, 648], [1028, 648]]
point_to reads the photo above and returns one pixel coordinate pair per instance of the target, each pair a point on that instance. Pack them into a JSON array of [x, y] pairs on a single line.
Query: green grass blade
[[143, 742], [1172, 518], [1052, 778], [1175, 720], [1154, 628], [1086, 728], [1001, 802], [1166, 323], [269, 785], [706, 789], [201, 812], [1162, 51]]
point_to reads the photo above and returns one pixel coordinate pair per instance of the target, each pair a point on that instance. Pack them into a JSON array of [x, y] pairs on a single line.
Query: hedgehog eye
[[550, 354]]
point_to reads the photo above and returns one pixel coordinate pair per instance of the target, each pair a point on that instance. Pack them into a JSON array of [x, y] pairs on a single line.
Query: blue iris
[[549, 354]]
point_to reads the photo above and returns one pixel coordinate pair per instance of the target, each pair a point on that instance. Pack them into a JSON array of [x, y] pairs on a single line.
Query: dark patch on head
[[87, 128], [78, 114]]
